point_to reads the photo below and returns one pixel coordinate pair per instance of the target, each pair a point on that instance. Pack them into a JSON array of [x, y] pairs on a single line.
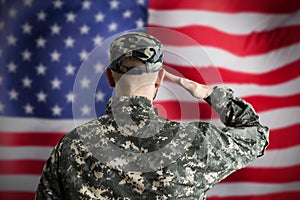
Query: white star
[[84, 29], [127, 14], [114, 4], [70, 69], [11, 40], [58, 4], [139, 23], [83, 54], [28, 108], [2, 25], [28, 3], [70, 17], [70, 97], [112, 26], [69, 42], [13, 95], [99, 68], [26, 55], [99, 17], [55, 83], [41, 69], [86, 5], [1, 51], [85, 110], [41, 96], [55, 29], [41, 16], [56, 110], [55, 56], [141, 2], [27, 28], [1, 80], [12, 13], [40, 42], [12, 67], [97, 40], [85, 83], [100, 96], [1, 107], [26, 82]]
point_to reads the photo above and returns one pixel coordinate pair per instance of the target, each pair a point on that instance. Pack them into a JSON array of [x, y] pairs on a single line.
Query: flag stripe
[[232, 189], [194, 110], [33, 167], [285, 157], [289, 88], [29, 139], [271, 196], [290, 135], [183, 56], [265, 175], [291, 118], [258, 43], [278, 158], [241, 23], [231, 6], [17, 195], [22, 153], [200, 74]]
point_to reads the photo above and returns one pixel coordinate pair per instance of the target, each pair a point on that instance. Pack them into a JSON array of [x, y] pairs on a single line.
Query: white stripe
[[33, 125], [271, 118], [278, 158], [281, 117], [25, 183], [272, 158], [204, 56], [240, 189], [28, 153], [170, 91], [233, 23]]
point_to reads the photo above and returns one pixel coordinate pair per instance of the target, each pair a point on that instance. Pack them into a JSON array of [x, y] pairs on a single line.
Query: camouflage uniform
[[132, 153]]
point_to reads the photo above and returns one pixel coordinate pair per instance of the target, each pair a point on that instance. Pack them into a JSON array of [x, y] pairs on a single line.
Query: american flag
[[253, 47]]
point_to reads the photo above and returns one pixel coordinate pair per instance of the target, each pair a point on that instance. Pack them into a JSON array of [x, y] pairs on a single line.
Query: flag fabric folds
[[251, 46]]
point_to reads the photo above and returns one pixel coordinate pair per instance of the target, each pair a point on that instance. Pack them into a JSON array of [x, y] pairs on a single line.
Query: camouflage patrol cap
[[139, 45]]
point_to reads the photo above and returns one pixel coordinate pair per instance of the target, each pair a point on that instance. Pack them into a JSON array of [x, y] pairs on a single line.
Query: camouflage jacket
[[132, 153]]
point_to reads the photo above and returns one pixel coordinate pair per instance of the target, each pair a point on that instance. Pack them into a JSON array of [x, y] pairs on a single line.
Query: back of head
[[136, 58]]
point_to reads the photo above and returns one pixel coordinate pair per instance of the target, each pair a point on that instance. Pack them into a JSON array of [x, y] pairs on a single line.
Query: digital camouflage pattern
[[132, 153], [139, 45]]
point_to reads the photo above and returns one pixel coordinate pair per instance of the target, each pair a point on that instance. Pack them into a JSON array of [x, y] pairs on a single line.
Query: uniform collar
[[130, 104]]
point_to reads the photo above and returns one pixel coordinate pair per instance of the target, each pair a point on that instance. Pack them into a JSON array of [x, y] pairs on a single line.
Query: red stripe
[[21, 167], [217, 75], [266, 103], [284, 137], [230, 6], [294, 195], [265, 175], [16, 195], [175, 110], [29, 139], [241, 45]]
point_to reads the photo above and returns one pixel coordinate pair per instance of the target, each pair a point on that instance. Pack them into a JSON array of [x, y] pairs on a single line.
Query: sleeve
[[238, 143], [50, 186]]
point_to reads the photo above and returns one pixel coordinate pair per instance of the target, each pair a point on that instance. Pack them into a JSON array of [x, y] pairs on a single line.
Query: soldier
[[133, 153]]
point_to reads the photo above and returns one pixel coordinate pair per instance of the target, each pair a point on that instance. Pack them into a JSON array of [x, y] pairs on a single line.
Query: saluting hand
[[197, 90]]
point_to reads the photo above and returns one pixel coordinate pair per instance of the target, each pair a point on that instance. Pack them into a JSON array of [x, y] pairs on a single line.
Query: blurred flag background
[[254, 46]]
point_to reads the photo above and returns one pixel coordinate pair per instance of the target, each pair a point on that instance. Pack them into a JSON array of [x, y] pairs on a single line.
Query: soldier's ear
[[110, 78], [160, 78]]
